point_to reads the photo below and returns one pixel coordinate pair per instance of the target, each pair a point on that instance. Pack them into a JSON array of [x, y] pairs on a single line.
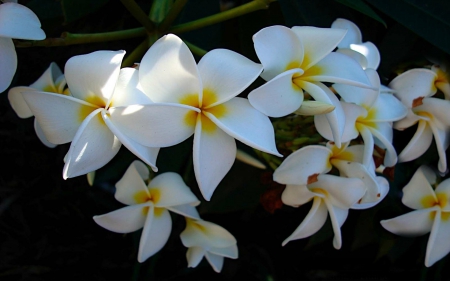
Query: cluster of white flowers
[[98, 106]]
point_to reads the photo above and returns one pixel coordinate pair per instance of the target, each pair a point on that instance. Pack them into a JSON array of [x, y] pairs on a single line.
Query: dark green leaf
[[362, 7]]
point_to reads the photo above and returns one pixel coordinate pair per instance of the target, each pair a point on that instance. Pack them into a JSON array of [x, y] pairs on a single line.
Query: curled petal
[[383, 137], [419, 143], [8, 62], [195, 255], [413, 84], [296, 195], [41, 135], [48, 80], [441, 137], [437, 110], [438, 243], [358, 57], [170, 190], [361, 96], [18, 104], [370, 51], [418, 193], [131, 188], [19, 22], [125, 220], [383, 189], [199, 233], [337, 217], [215, 261], [409, 120], [353, 34], [414, 223]]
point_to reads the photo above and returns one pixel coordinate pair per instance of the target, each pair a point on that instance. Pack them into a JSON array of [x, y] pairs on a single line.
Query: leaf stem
[[195, 49], [138, 14], [172, 15]]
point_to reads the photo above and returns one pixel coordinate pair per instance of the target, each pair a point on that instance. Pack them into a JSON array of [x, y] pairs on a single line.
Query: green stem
[[194, 49], [172, 15], [138, 14], [73, 39], [223, 16], [137, 54]]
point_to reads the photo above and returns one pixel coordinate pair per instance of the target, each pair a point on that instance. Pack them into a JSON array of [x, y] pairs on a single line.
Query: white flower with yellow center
[[149, 206], [201, 99], [53, 81], [84, 117], [415, 89], [209, 240], [18, 22], [431, 213]]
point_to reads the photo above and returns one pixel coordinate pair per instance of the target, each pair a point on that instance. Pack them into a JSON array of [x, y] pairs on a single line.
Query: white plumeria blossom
[[415, 89], [331, 195], [431, 213], [148, 207], [18, 22], [366, 53], [53, 81], [198, 98], [297, 60], [305, 164], [209, 240], [97, 86], [368, 113]]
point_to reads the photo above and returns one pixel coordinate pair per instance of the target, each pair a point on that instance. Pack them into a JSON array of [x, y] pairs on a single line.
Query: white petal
[[215, 261], [413, 84], [226, 74], [438, 243], [213, 155], [8, 62], [418, 193], [303, 163], [229, 252], [46, 82], [383, 135], [383, 189], [313, 221], [361, 96], [441, 137], [358, 57], [125, 220], [41, 135], [337, 68], [168, 71], [278, 49], [318, 42], [437, 108], [296, 195], [409, 120], [168, 189], [17, 21], [388, 109], [337, 217], [256, 131], [59, 116], [185, 210], [353, 34], [419, 143], [92, 77], [414, 223], [128, 91], [278, 97], [194, 256], [131, 188], [157, 228], [154, 125], [92, 147], [370, 51], [206, 234], [369, 143], [18, 104]]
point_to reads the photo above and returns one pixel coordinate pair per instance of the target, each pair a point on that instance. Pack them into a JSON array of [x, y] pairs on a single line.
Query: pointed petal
[[226, 74], [370, 51], [419, 143], [19, 22], [125, 220], [409, 120], [437, 108], [383, 135], [353, 34], [92, 77], [278, 49], [358, 57], [41, 135], [18, 104], [228, 252], [337, 68], [194, 256], [418, 193], [59, 116], [46, 82], [206, 234], [168, 189], [157, 228], [313, 221], [131, 188], [215, 261], [361, 96], [154, 125], [8, 62], [257, 130], [185, 210], [128, 91], [414, 223], [318, 42], [387, 109], [296, 195], [213, 155], [278, 97], [337, 217], [413, 84], [168, 71], [441, 137], [303, 163], [383, 189], [92, 147], [438, 243]]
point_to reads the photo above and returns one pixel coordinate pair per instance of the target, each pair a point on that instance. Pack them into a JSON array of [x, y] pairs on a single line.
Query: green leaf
[[76, 9], [363, 8], [159, 10]]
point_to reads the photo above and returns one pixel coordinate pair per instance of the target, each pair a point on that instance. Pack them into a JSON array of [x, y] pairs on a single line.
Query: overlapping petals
[[432, 214], [148, 207]]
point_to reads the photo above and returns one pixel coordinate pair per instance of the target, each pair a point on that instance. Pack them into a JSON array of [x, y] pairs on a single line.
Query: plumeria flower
[[201, 99], [366, 53], [415, 89], [431, 213], [148, 207], [18, 22], [330, 195], [305, 164], [209, 240], [368, 113], [297, 60], [84, 118], [53, 81]]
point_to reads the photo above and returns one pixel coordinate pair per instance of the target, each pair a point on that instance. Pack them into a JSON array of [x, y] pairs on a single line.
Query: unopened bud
[[247, 159]]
